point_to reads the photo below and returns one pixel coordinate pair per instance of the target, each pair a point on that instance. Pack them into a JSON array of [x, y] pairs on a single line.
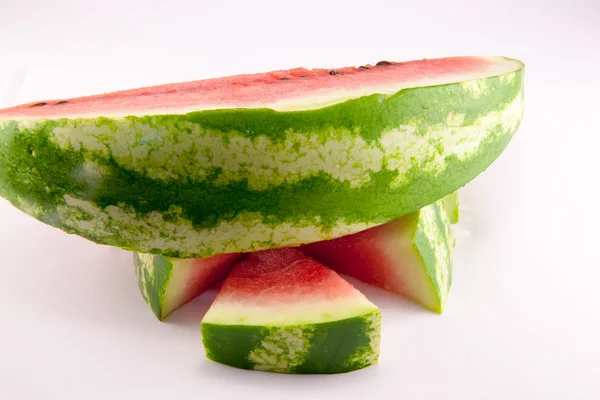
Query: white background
[[522, 320]]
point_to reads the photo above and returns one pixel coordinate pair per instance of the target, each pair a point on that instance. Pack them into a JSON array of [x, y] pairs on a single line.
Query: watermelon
[[259, 161], [410, 256], [281, 311], [451, 207], [168, 283]]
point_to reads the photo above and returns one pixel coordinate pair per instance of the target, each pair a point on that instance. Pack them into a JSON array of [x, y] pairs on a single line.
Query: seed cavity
[[38, 104], [380, 63]]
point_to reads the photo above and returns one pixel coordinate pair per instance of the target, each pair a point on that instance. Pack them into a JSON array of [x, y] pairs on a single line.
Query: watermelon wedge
[[281, 311], [259, 161], [410, 256], [168, 283]]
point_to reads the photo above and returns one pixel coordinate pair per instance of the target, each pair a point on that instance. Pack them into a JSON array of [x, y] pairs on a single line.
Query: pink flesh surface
[[283, 276], [207, 272], [248, 90], [364, 256]]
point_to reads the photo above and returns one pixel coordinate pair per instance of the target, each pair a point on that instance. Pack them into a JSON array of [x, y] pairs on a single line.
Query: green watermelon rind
[[322, 348], [239, 180], [153, 274], [434, 243]]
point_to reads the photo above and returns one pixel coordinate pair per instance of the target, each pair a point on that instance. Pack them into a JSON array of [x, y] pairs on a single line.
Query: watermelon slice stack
[[272, 184]]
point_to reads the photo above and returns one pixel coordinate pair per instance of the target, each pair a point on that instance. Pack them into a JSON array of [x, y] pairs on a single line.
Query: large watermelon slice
[[281, 311], [259, 161], [168, 283], [410, 256]]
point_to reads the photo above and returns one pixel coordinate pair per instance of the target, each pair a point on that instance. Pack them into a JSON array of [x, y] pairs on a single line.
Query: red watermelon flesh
[[364, 256], [286, 274], [202, 274], [298, 88], [285, 286], [410, 256]]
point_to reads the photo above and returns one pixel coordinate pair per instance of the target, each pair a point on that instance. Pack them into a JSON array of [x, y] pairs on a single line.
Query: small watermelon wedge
[[168, 283], [411, 256], [253, 162], [281, 311]]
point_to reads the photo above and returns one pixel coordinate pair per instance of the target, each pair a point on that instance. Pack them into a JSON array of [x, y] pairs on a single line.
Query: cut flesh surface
[[168, 283], [410, 256], [285, 90]]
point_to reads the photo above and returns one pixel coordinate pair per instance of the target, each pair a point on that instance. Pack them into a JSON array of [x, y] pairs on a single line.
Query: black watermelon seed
[[61, 102], [303, 76], [284, 79], [333, 72], [38, 104], [380, 63], [363, 67]]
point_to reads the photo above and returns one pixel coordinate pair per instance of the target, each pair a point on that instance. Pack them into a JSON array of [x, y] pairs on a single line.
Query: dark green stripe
[[231, 344], [336, 345]]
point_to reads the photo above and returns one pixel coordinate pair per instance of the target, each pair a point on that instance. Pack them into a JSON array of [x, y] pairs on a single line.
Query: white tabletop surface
[[522, 321]]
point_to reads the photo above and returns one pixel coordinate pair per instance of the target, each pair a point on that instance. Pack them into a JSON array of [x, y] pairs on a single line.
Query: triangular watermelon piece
[[281, 311], [168, 283], [410, 256]]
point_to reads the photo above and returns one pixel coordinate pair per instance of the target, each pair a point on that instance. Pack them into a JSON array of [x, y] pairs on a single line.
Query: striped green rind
[[452, 208], [322, 348], [434, 243], [153, 273], [239, 180]]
